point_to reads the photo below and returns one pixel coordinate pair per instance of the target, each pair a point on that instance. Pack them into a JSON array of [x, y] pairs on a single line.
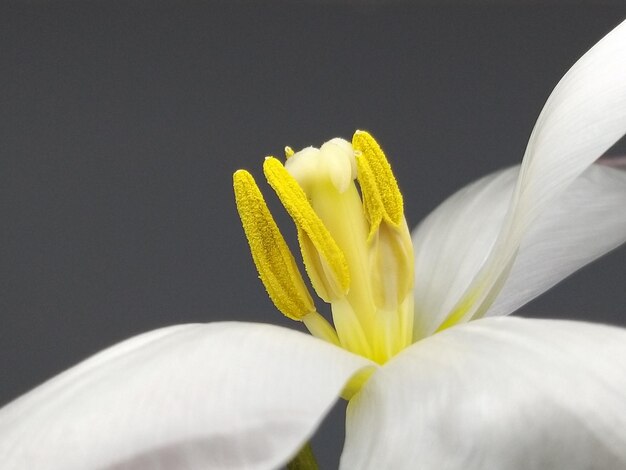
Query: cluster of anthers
[[355, 245]]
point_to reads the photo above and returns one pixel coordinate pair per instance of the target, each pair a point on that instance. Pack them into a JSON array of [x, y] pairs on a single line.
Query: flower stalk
[[304, 460]]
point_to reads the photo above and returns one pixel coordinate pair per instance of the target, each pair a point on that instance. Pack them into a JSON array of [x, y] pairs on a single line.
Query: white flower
[[436, 375]]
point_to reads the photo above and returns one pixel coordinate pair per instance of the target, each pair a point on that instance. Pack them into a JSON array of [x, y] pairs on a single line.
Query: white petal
[[452, 243], [497, 393], [222, 395], [588, 220], [583, 117]]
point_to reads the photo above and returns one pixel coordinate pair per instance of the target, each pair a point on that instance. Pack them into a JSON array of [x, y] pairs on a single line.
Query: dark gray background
[[122, 122]]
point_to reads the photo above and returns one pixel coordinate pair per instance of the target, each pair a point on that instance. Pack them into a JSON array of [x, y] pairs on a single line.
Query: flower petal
[[221, 395], [497, 393], [451, 244], [583, 117], [587, 221]]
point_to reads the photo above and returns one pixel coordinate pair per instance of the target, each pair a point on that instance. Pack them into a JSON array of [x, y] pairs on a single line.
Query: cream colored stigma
[[356, 247]]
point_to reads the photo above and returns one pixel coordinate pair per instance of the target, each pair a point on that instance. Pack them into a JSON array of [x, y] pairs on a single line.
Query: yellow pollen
[[274, 262], [311, 229], [382, 199]]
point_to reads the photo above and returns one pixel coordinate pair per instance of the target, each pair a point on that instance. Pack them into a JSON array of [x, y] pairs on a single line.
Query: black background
[[122, 122]]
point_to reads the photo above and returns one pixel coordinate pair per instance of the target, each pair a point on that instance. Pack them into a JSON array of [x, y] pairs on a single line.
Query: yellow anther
[[289, 152], [332, 269], [381, 196], [372, 202], [274, 262]]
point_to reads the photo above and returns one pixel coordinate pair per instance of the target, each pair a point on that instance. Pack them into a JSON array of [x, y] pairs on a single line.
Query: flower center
[[356, 247]]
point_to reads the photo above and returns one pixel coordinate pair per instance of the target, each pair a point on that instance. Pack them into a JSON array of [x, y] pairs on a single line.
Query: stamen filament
[[321, 328]]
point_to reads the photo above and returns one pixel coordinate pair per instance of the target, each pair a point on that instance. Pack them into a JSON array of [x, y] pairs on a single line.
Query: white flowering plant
[[418, 340]]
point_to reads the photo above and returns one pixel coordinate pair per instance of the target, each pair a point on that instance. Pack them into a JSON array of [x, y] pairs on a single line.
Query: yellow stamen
[[274, 262], [355, 245], [333, 268], [389, 241], [381, 196]]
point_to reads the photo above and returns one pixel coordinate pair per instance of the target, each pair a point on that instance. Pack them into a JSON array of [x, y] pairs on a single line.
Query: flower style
[[436, 375]]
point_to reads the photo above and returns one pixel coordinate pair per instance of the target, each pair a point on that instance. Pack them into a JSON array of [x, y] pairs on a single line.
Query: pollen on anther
[[295, 201], [273, 259], [381, 195]]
